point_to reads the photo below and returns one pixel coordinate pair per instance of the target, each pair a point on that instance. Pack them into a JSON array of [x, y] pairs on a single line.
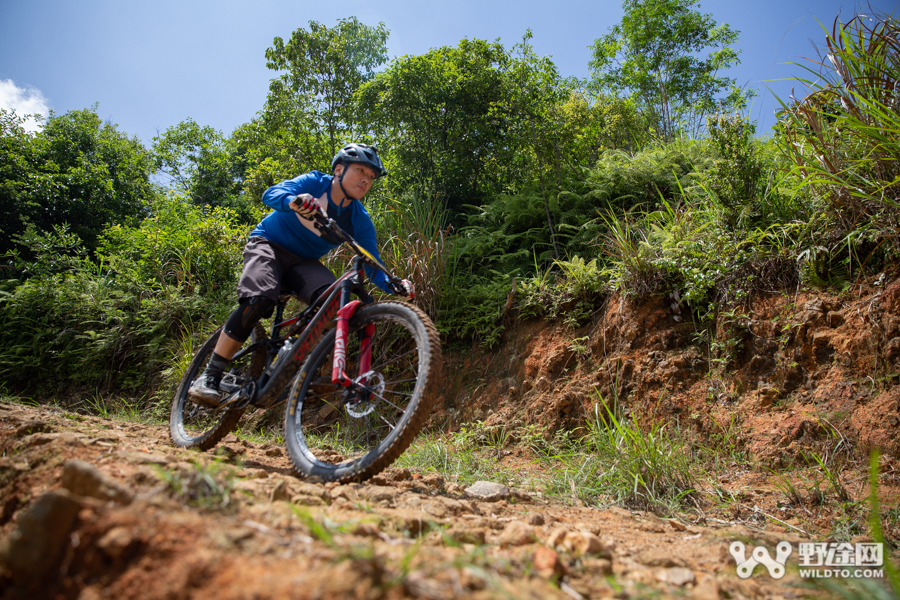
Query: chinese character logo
[[760, 556], [833, 554]]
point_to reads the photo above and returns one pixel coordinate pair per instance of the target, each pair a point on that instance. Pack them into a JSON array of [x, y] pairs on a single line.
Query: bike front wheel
[[350, 434], [193, 425]]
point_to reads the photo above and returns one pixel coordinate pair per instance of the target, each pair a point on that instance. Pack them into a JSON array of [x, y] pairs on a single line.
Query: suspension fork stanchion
[[348, 307], [365, 351], [338, 376]]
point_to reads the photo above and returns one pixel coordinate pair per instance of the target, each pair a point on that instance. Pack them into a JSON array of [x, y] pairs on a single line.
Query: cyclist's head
[[362, 154]]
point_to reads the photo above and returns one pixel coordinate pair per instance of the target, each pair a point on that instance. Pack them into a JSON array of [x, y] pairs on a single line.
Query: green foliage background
[[514, 192]]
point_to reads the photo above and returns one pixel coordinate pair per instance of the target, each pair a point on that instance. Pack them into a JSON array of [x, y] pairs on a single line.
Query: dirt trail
[[110, 527]]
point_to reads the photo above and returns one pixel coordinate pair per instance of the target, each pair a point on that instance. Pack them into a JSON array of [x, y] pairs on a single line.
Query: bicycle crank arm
[[239, 398]]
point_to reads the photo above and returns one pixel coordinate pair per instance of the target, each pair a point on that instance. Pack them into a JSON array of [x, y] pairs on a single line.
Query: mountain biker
[[285, 248]]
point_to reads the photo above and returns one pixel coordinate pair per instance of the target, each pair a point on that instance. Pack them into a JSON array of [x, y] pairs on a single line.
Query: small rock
[[592, 527], [547, 564], [436, 508], [230, 452], [397, 474], [536, 519], [653, 527], [84, 479], [467, 535], [433, 480], [676, 524], [556, 537], [487, 491], [305, 500], [377, 493], [597, 567], [516, 533], [345, 491], [281, 491], [679, 576], [455, 489], [658, 557], [310, 489], [274, 451], [145, 458], [584, 543], [115, 542], [34, 548]]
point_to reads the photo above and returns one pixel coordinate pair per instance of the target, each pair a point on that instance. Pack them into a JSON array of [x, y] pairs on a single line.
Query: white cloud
[[25, 101]]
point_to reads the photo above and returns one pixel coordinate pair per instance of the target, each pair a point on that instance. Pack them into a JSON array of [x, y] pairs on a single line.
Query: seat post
[[279, 312]]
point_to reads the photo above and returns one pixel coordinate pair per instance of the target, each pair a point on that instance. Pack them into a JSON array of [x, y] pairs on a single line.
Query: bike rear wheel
[[193, 425], [340, 435]]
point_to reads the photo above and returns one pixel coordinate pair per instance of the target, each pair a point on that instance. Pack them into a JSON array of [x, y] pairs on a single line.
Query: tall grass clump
[[843, 139], [417, 245], [647, 468]]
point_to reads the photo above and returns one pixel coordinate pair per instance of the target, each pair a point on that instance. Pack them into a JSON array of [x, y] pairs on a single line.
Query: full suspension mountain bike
[[364, 375]]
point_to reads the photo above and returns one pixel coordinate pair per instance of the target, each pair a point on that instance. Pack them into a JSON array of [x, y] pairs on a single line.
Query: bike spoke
[[386, 401], [388, 423], [380, 366]]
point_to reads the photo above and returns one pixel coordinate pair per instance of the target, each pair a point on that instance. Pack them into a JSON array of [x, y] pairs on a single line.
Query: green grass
[[616, 462]]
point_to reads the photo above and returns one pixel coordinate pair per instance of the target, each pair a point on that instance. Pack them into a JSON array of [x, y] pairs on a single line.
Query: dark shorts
[[269, 269]]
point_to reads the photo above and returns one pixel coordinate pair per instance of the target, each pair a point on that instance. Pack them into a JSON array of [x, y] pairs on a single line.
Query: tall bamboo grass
[[843, 136]]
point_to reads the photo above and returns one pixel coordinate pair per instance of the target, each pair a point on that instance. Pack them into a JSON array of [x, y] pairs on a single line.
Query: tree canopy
[[77, 170], [656, 56], [309, 112]]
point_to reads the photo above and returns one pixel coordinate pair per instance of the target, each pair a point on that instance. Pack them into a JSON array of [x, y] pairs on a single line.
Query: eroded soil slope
[[789, 372]]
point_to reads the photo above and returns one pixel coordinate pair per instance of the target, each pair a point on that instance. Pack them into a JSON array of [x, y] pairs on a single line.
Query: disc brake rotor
[[364, 400]]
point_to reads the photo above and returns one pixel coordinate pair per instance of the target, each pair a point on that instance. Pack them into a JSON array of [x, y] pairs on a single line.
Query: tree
[[310, 105], [457, 121], [78, 170], [202, 164], [655, 57], [20, 157]]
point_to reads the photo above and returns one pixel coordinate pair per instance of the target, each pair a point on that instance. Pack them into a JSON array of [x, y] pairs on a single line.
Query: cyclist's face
[[358, 179]]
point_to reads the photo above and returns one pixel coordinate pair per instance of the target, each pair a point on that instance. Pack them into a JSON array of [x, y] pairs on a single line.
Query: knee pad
[[240, 324]]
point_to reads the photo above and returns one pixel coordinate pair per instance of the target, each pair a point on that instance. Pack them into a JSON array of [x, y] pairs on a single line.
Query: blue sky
[[150, 65]]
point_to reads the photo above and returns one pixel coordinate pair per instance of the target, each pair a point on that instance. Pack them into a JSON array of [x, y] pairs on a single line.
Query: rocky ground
[[98, 508], [95, 508]]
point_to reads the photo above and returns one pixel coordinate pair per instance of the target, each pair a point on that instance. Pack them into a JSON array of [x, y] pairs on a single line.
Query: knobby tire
[[347, 436], [193, 425]]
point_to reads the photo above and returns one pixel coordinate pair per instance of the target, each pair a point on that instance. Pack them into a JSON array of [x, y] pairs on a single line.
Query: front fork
[[339, 376]]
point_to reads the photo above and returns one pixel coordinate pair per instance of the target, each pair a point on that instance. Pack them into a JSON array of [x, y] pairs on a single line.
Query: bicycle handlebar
[[328, 226]]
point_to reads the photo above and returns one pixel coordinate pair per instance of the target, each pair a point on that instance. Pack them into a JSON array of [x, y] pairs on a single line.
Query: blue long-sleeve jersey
[[285, 227]]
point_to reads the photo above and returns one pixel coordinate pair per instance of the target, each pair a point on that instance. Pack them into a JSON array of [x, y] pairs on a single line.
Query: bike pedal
[[230, 400], [239, 398]]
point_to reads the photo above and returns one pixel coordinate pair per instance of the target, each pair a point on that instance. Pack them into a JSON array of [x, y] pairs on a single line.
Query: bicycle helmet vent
[[360, 153]]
